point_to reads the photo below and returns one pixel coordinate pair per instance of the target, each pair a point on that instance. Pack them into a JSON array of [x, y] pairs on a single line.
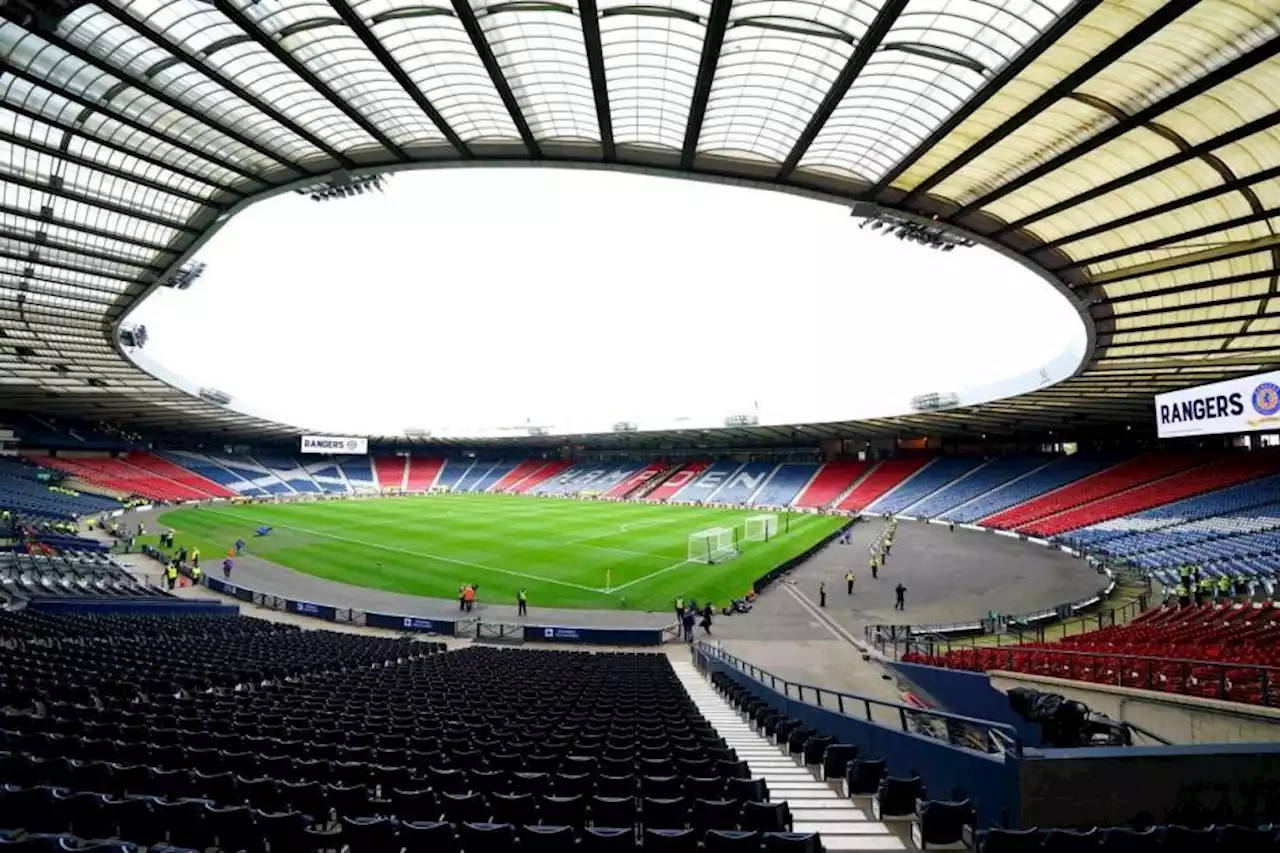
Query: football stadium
[[885, 458]]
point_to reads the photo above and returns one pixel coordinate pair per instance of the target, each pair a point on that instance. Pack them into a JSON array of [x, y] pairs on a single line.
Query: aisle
[[815, 807]]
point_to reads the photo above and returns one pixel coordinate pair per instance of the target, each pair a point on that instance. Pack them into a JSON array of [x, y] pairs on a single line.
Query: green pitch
[[566, 553]]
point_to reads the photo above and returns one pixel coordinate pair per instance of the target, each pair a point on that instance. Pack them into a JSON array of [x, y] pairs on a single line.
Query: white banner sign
[[1250, 404], [335, 444]]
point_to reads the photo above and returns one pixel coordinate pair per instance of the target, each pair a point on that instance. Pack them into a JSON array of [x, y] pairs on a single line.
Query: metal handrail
[[996, 737]]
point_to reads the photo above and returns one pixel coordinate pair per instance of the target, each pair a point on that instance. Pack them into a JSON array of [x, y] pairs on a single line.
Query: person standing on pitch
[[822, 593], [848, 582], [900, 593], [522, 600]]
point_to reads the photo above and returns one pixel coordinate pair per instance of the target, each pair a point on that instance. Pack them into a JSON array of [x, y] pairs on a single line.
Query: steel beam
[[462, 8], [1142, 117], [285, 57], [589, 16], [1166, 15], [867, 46], [712, 41], [380, 52]]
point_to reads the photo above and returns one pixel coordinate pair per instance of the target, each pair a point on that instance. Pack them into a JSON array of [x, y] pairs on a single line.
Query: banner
[[1250, 404], [593, 636], [410, 623], [307, 608], [335, 444]]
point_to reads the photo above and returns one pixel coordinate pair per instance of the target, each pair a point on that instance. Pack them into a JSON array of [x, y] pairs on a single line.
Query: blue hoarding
[[410, 623], [307, 608], [593, 636]]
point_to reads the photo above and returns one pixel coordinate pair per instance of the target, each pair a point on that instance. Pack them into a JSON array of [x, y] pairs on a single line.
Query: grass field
[[566, 553]]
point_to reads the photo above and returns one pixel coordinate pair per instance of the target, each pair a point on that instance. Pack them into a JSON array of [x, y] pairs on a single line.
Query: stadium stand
[[118, 475], [390, 471], [76, 570], [937, 475], [1055, 475], [889, 474], [211, 469], [474, 475], [540, 475], [426, 472], [52, 433], [290, 472], [359, 473], [1196, 479], [351, 741], [784, 484], [743, 484], [996, 473], [1212, 650], [667, 488], [832, 481], [21, 492], [492, 476], [573, 479], [162, 467], [517, 473], [705, 486], [1118, 478], [1144, 530], [253, 472], [637, 479], [330, 479]]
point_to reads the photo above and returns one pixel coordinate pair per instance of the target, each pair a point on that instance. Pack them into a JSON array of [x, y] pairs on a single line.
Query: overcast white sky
[[471, 299]]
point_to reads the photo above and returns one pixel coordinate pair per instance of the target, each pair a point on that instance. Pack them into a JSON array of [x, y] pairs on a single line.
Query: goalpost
[[761, 528], [713, 545]]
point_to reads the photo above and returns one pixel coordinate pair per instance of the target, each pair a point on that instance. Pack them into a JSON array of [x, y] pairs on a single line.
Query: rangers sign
[[1251, 404], [334, 444]]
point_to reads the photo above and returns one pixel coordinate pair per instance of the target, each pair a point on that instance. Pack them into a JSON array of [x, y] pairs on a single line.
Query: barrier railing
[[1231, 682], [470, 627], [1015, 634], [968, 732], [1087, 614]]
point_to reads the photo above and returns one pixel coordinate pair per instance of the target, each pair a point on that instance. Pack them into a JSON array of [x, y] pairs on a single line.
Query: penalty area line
[[643, 578], [436, 557]]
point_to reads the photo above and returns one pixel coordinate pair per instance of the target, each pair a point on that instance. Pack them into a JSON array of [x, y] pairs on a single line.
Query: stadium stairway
[[832, 483], [422, 473], [677, 481], [815, 807], [634, 481], [1119, 478], [390, 471], [889, 474], [541, 475]]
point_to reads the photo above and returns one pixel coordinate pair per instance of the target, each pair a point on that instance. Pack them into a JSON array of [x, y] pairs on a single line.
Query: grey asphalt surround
[[950, 576]]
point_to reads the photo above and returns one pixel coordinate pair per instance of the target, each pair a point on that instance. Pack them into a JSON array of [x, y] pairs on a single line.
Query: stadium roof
[[1128, 148]]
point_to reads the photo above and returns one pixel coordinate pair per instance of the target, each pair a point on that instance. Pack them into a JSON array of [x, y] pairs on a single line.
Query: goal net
[[714, 545], [761, 528]]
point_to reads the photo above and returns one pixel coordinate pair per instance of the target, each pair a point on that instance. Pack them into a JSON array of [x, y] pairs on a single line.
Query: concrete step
[[843, 826]]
